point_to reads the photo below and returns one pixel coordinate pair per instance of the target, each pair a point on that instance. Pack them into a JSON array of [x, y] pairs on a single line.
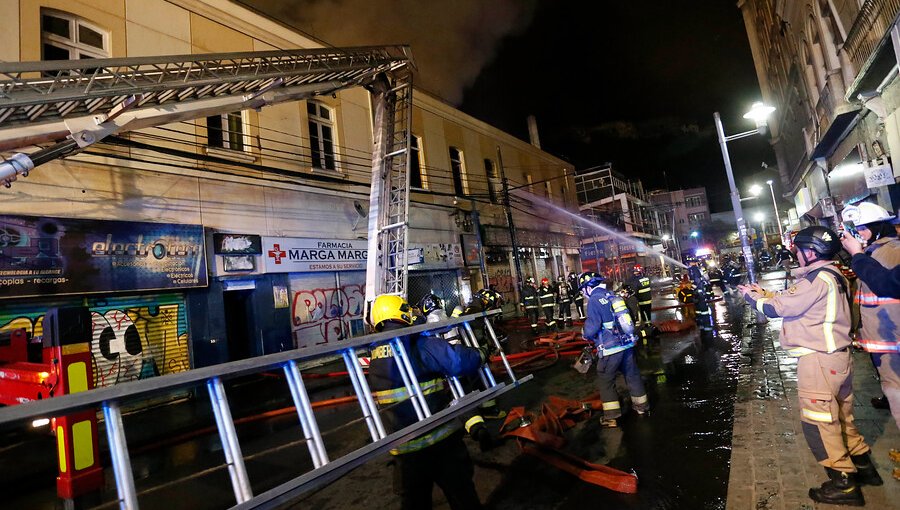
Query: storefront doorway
[[239, 329]]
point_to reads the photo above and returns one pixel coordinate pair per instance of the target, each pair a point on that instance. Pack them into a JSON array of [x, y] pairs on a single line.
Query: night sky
[[633, 83]]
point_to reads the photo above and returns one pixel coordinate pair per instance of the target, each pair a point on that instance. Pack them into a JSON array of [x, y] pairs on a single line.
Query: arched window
[[65, 36]]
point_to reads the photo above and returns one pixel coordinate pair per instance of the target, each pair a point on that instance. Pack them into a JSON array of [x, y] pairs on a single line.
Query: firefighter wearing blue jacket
[[438, 456], [610, 327]]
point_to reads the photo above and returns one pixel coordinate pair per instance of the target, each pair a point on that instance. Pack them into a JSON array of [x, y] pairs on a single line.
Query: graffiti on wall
[[327, 315], [503, 282], [127, 343]]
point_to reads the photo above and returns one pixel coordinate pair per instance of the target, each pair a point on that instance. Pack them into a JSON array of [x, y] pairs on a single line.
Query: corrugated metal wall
[[133, 337]]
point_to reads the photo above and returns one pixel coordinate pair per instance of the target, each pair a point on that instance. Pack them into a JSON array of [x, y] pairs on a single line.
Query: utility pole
[[509, 221]]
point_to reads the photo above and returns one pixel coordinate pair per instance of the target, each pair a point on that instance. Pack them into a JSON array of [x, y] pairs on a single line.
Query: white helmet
[[864, 213]]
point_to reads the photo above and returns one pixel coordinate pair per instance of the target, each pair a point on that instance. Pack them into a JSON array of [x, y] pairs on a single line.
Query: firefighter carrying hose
[[530, 303], [438, 456], [609, 326], [547, 299], [640, 284], [816, 330]]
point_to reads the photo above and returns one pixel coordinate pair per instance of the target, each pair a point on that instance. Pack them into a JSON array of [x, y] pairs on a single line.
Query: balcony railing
[[874, 20]]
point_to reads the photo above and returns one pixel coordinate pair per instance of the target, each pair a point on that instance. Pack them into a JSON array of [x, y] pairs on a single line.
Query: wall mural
[[131, 339]]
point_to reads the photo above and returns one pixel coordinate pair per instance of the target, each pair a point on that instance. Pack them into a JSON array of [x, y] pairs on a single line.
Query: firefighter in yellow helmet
[[438, 456]]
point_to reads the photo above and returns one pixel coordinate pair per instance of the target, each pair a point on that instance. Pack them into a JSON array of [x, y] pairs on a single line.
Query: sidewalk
[[771, 465]]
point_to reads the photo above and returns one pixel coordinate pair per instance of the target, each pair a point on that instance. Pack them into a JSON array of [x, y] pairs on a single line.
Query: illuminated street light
[[755, 190], [758, 113], [665, 237]]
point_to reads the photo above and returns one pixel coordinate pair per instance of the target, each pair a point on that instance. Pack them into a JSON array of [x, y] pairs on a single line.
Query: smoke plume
[[451, 41]]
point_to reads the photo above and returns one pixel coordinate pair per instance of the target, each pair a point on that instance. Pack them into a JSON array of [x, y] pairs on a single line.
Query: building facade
[[245, 234], [623, 224], [684, 214], [829, 67]]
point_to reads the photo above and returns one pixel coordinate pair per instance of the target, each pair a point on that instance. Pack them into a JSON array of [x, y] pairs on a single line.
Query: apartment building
[[253, 202], [830, 69]]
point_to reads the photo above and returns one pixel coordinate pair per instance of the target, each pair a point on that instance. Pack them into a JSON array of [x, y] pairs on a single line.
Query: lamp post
[[777, 216], [694, 236], [759, 112], [761, 218]]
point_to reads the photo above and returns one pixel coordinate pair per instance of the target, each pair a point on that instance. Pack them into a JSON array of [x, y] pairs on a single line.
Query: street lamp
[[761, 218], [694, 235], [777, 216], [758, 113], [755, 190]]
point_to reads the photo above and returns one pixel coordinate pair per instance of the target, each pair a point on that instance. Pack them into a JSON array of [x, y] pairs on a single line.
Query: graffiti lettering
[[321, 316], [126, 344]]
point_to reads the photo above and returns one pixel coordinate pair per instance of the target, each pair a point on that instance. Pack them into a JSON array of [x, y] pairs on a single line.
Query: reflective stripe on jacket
[[546, 296], [879, 316], [816, 310]]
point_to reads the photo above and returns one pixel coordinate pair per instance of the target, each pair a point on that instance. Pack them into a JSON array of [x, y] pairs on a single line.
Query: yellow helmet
[[387, 307]]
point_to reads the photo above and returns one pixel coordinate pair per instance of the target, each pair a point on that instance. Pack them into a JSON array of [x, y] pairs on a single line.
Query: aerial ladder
[[64, 107]]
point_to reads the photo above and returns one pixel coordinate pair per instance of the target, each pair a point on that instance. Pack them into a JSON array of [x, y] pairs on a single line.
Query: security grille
[[442, 283]]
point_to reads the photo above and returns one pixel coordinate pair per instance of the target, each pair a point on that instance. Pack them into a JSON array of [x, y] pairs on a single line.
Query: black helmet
[[430, 303], [821, 240]]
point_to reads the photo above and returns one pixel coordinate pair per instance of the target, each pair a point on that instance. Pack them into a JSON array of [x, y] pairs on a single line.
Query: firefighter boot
[[840, 489], [482, 435], [866, 474]]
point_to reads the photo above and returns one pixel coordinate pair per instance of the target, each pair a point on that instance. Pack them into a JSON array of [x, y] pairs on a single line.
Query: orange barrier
[[542, 436]]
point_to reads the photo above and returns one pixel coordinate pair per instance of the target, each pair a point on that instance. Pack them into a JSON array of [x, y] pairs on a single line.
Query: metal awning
[[840, 127]]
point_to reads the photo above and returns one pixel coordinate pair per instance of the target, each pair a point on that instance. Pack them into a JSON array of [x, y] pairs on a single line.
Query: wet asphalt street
[[681, 453]]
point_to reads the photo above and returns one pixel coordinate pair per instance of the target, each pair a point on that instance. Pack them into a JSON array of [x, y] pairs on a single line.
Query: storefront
[[132, 276]]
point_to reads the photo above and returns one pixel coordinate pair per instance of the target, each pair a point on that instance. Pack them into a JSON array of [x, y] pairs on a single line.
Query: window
[[694, 201], [65, 36], [226, 131], [696, 217], [457, 168], [321, 135], [493, 182], [530, 180], [548, 191], [416, 177]]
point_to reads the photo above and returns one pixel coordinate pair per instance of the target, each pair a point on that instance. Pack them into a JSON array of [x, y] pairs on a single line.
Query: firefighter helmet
[[430, 303], [388, 307], [823, 241], [545, 281], [590, 279], [865, 213], [457, 311], [529, 280]]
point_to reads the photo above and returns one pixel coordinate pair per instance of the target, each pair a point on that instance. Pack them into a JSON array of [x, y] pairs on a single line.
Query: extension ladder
[[325, 469]]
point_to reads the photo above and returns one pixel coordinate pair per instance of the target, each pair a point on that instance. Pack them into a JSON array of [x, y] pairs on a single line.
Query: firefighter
[[685, 294], [640, 285], [610, 328], [547, 299], [433, 307], [577, 298], [563, 303], [440, 455], [716, 277], [695, 273], [530, 304], [703, 311], [879, 316], [816, 330]]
